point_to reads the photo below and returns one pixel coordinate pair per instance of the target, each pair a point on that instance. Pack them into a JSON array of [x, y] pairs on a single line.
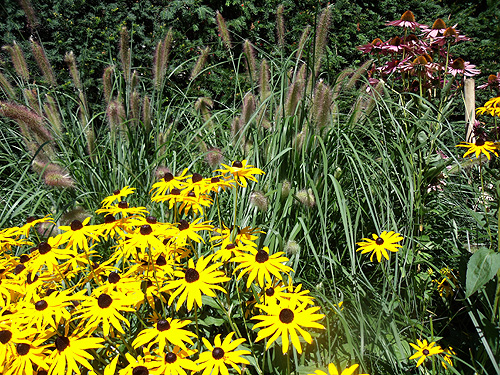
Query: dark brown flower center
[[379, 241], [408, 16], [162, 325], [24, 258], [29, 280], [62, 343], [214, 180], [175, 191], [191, 275], [109, 219], [104, 301], [262, 256], [270, 292], [122, 204], [191, 194], [140, 370], [492, 78], [168, 177], [237, 164], [396, 41], [421, 60], [113, 277], [23, 349], [425, 352], [231, 246], [458, 64], [183, 225], [480, 142], [450, 31], [19, 268], [151, 220], [146, 229], [30, 219], [376, 42], [41, 305], [161, 261], [44, 248], [5, 336], [196, 178], [42, 372], [286, 316], [76, 225], [170, 357], [116, 192], [218, 353]]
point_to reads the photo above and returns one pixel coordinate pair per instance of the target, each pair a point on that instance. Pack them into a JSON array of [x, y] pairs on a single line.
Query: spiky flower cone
[[321, 38], [280, 25], [160, 60], [70, 61], [250, 59], [223, 31], [125, 53], [18, 60], [200, 63], [43, 62]]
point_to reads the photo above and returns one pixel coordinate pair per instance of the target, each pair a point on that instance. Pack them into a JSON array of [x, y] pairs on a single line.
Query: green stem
[[483, 197]]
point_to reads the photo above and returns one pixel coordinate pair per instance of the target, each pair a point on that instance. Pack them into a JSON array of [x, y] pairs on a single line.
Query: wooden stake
[[470, 109]]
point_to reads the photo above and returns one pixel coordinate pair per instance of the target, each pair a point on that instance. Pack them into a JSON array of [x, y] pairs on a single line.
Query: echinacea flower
[[407, 20], [222, 353], [479, 147], [195, 280], [459, 66], [379, 245], [332, 370], [241, 172], [424, 350], [492, 82], [286, 320]]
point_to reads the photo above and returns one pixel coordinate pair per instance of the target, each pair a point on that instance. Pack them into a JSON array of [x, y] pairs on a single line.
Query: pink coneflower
[[407, 20], [414, 45], [419, 67], [450, 35], [438, 28], [493, 82], [392, 66], [393, 45], [459, 66], [373, 47]]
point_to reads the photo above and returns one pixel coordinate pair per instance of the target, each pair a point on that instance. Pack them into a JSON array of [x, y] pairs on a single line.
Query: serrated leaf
[[482, 267]]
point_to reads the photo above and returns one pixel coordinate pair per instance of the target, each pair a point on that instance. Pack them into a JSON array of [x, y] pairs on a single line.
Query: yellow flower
[[387, 241], [175, 362], [77, 234], [447, 359], [117, 196], [241, 172], [332, 370], [260, 265], [220, 355], [491, 107], [165, 330], [424, 350], [194, 281], [480, 146], [71, 351], [286, 319]]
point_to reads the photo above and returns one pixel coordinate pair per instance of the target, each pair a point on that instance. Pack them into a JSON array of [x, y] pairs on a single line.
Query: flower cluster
[[65, 309], [422, 61]]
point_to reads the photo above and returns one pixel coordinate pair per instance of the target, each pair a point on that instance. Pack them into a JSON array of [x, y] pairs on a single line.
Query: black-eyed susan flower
[[165, 330], [47, 256], [124, 209], [222, 353], [379, 245], [49, 310], [117, 195], [195, 281], [29, 352], [77, 234], [72, 351], [165, 186], [479, 147], [445, 285], [260, 265], [144, 237], [139, 365], [175, 362], [424, 350], [186, 230], [110, 369], [104, 310], [31, 222], [241, 172], [332, 370], [287, 320], [491, 107], [447, 359]]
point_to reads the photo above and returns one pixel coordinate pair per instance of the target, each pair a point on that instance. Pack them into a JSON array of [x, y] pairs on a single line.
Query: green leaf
[[482, 267]]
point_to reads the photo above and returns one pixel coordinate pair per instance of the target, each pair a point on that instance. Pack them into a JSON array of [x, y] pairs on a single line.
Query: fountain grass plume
[[7, 87], [223, 31], [160, 60], [302, 42], [107, 82], [52, 113], [18, 60], [200, 63], [70, 61], [125, 53], [250, 59], [280, 25], [321, 38], [43, 62]]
